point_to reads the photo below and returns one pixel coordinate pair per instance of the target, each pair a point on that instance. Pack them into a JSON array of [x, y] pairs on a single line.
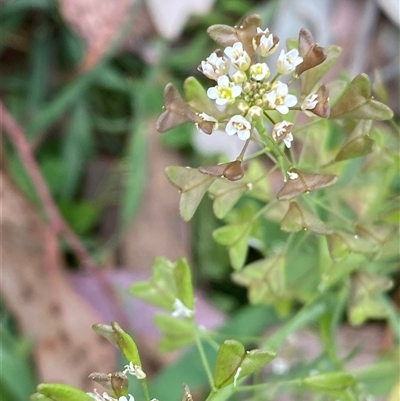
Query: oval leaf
[[230, 356], [331, 381], [192, 184], [126, 344], [63, 392], [357, 102], [302, 182], [297, 219]]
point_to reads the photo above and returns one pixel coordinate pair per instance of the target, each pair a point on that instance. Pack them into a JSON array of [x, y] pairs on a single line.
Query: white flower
[[240, 126], [259, 71], [279, 99], [264, 43], [283, 132], [123, 398], [238, 57], [180, 310], [309, 103], [287, 62], [214, 66], [105, 397], [134, 370], [225, 92]]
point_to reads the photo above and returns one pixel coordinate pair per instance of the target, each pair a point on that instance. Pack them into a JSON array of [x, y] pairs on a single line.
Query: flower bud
[[255, 112]]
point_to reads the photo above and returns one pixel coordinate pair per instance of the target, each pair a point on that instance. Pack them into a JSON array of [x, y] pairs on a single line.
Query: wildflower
[[259, 71], [225, 92], [134, 370], [283, 132], [279, 99], [238, 57], [215, 66], [264, 43], [240, 126], [180, 310], [316, 103], [105, 397], [287, 62], [309, 102]]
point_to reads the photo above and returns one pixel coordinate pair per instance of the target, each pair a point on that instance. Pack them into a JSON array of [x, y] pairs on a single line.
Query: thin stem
[[274, 148], [277, 75], [204, 359], [240, 157]]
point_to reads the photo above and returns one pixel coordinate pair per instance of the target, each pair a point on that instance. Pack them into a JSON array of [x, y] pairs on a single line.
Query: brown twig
[[55, 220]]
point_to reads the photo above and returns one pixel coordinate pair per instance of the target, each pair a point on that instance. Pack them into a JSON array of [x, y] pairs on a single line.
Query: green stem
[[276, 150], [204, 360], [277, 75], [240, 157]]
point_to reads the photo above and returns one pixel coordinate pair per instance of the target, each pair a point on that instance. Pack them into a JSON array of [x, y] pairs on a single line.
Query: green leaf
[[265, 280], [297, 219], [126, 344], [310, 78], [80, 216], [177, 333], [192, 184], [196, 97], [358, 143], [332, 381], [235, 236], [233, 361], [357, 102], [183, 279], [63, 392], [161, 290], [225, 194], [338, 249], [364, 303], [78, 148]]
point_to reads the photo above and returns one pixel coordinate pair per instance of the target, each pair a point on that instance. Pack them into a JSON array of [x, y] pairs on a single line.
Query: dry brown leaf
[[45, 306]]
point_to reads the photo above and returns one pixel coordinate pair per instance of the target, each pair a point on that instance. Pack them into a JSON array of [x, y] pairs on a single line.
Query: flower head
[[180, 310], [265, 43], [215, 66], [239, 58], [283, 132], [287, 62], [240, 126], [225, 92], [279, 99]]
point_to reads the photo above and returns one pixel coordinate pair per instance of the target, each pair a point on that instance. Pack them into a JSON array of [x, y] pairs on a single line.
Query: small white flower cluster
[[134, 370], [242, 82], [105, 397]]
